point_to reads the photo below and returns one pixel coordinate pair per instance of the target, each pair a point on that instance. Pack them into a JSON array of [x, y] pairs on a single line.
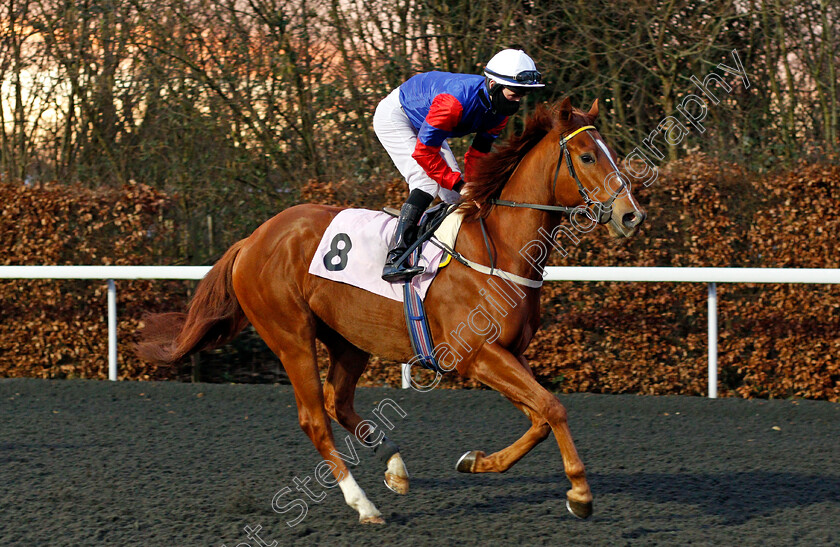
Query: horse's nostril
[[633, 219]]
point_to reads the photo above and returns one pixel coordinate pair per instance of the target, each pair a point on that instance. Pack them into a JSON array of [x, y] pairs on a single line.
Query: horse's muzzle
[[633, 219]]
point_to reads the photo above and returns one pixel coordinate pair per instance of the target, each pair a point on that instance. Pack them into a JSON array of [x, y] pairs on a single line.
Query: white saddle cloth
[[354, 247]]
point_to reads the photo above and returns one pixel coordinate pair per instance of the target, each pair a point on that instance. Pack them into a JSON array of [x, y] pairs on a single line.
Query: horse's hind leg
[[294, 343], [347, 363]]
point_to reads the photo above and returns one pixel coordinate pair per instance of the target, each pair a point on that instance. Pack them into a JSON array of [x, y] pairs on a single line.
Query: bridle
[[603, 208]]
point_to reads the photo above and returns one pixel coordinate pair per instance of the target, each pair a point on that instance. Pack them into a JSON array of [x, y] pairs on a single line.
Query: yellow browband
[[575, 132], [568, 137]]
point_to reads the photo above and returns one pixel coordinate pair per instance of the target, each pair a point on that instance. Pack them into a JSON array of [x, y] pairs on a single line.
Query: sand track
[[100, 463]]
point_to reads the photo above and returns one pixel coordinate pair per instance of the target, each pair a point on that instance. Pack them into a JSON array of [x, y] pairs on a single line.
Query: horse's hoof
[[396, 484], [372, 520], [582, 510], [466, 464]]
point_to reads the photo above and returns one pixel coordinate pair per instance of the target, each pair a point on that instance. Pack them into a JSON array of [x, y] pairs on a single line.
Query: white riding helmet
[[513, 67]]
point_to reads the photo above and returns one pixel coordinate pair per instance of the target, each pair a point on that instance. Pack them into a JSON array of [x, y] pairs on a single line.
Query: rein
[[604, 215], [604, 208]]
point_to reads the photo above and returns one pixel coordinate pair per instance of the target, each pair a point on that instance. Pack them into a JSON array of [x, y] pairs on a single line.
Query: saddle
[[353, 249]]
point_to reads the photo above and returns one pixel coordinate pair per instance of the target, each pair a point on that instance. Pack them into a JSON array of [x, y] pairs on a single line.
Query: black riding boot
[[405, 235]]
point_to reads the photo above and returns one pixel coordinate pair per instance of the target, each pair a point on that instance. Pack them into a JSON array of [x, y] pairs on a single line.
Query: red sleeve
[[429, 158], [480, 147], [444, 113], [443, 116], [470, 159]]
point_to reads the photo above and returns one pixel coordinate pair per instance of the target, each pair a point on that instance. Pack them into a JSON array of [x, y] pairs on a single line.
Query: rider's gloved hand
[[454, 195]]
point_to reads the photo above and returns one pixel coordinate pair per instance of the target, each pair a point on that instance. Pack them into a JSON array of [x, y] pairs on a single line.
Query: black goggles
[[525, 77], [528, 77]]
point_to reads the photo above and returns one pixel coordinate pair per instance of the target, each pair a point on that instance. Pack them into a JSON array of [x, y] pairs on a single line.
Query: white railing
[[109, 273], [710, 276]]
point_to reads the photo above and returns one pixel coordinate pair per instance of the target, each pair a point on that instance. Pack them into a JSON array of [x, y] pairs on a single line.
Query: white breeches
[[399, 138]]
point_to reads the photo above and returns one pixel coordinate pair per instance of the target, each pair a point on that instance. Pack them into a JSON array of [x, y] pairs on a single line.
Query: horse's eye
[[587, 158]]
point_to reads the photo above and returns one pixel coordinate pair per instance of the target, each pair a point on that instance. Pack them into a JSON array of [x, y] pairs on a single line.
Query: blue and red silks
[[442, 105]]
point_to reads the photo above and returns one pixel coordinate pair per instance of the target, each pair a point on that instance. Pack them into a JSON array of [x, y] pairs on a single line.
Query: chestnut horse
[[520, 192]]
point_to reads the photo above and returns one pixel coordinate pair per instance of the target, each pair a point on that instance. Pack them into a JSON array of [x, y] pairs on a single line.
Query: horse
[[519, 190]]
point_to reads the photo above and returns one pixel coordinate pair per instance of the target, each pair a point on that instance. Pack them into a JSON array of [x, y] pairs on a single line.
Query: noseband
[[603, 208]]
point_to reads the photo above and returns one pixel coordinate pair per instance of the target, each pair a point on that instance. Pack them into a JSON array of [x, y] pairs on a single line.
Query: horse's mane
[[492, 172]]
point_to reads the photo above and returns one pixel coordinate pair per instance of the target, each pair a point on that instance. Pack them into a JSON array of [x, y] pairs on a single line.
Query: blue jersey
[[442, 105]]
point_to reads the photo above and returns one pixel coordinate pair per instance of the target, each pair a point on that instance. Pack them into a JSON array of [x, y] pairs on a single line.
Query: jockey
[[414, 121]]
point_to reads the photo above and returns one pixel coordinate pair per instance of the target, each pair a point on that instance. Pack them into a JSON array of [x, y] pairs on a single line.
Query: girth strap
[[419, 332]]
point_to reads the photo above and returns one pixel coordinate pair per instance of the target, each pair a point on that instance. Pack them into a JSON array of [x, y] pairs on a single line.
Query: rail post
[[112, 330], [405, 369], [712, 341]]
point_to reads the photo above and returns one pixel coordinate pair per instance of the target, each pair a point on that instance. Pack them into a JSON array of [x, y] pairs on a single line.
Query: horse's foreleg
[[347, 363], [499, 462], [499, 369]]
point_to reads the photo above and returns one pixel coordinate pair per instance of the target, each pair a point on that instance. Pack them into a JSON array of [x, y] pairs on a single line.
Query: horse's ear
[[565, 110], [593, 110]]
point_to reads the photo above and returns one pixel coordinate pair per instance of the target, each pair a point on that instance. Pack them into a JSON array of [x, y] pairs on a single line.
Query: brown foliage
[[57, 329], [775, 340], [347, 193]]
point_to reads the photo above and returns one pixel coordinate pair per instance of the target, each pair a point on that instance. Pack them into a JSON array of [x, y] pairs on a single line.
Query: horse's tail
[[213, 318]]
